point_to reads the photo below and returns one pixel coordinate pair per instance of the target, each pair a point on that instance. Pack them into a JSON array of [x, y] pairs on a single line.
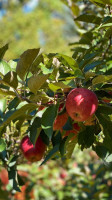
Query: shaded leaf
[[25, 62], [11, 79], [13, 179], [89, 19], [3, 50], [36, 82], [86, 137], [25, 110], [101, 79], [92, 65], [48, 118], [5, 93], [51, 154], [32, 130]]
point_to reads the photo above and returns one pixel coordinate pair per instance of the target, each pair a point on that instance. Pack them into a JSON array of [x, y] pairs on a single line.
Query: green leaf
[[3, 50], [56, 138], [68, 125], [70, 147], [4, 67], [103, 153], [44, 137], [33, 129], [2, 145], [5, 93], [67, 61], [100, 2], [14, 103], [86, 137], [20, 180], [105, 122], [24, 110], [104, 109], [11, 79], [78, 50], [48, 118], [26, 61], [87, 59], [13, 179], [38, 61], [36, 82], [102, 79], [89, 19], [75, 9], [2, 106], [109, 2], [105, 25], [58, 85], [51, 154], [19, 124], [46, 70], [62, 147], [13, 65], [12, 161], [108, 32], [92, 65]]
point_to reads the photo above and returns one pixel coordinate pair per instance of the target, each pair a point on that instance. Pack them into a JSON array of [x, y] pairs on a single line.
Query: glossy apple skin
[[60, 120], [32, 153], [81, 104], [75, 130]]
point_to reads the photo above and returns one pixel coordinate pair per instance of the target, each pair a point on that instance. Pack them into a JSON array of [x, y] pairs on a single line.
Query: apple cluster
[[81, 104]]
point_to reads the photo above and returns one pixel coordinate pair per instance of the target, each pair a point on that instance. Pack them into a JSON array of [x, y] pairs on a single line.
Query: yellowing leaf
[[102, 79], [10, 79], [89, 75], [4, 92]]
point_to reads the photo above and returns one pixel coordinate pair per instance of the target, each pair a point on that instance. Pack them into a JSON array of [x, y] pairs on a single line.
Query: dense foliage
[[33, 87]]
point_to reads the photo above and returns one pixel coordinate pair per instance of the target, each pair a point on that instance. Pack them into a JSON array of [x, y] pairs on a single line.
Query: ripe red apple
[[81, 104], [60, 120], [63, 174], [4, 176], [32, 153], [75, 130]]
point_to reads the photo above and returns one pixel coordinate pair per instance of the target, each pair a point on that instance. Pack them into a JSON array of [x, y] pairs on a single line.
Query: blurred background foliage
[[82, 177], [49, 25], [31, 24]]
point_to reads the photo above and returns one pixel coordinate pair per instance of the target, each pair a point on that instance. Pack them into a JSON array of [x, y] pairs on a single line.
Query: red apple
[[75, 130], [60, 120], [33, 153], [81, 104], [24, 193], [63, 174], [4, 176]]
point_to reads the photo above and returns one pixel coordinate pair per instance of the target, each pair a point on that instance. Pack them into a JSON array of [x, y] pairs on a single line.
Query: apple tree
[[35, 88]]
